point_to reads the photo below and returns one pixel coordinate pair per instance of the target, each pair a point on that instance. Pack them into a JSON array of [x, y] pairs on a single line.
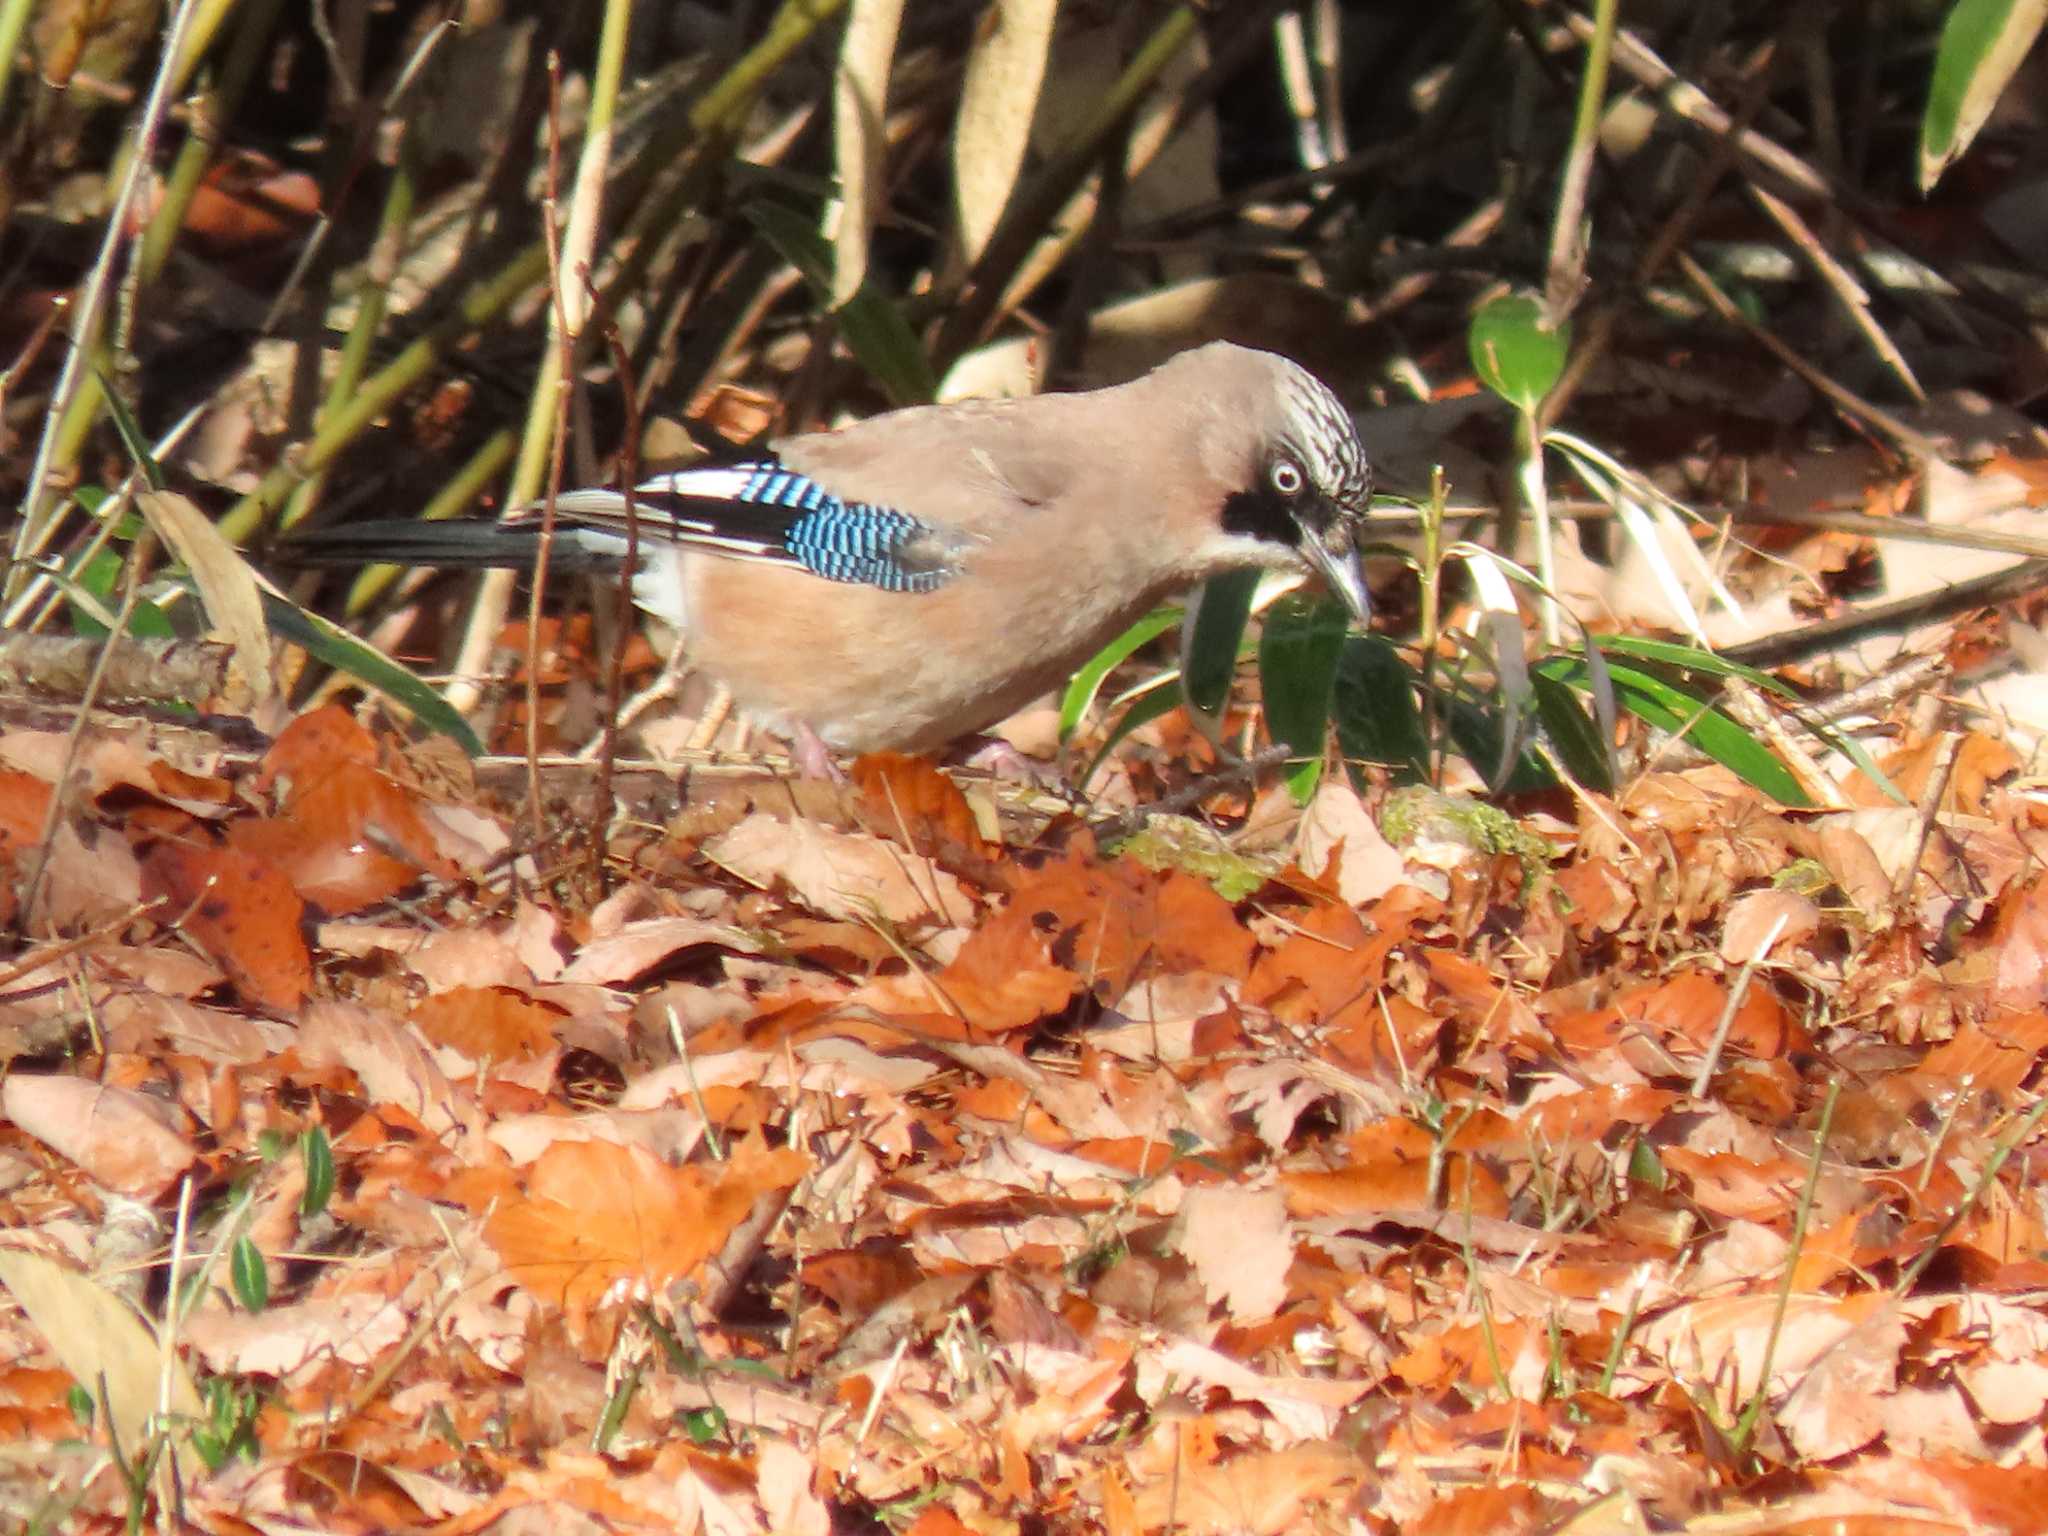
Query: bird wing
[[972, 467], [765, 511]]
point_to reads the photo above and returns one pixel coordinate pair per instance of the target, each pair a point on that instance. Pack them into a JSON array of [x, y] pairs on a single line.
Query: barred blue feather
[[850, 541]]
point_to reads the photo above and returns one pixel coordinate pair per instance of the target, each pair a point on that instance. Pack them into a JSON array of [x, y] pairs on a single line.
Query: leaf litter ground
[[834, 1165]]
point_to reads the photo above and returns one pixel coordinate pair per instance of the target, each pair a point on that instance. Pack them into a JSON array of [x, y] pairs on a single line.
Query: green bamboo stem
[[718, 111], [394, 224]]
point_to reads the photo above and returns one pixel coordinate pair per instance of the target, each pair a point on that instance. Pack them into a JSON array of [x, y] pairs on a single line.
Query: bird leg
[[1000, 760], [705, 731], [812, 757]]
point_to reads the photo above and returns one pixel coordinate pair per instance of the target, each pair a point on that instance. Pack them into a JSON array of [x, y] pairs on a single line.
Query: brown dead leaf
[[605, 1221], [24, 803], [1260, 1494], [392, 1062], [909, 799], [1337, 825], [2019, 941], [1759, 922], [120, 1138], [1004, 977], [1241, 1246], [488, 1023], [847, 875], [241, 912]]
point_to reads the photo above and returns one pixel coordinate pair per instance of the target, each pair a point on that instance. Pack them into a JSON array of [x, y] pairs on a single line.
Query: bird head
[[1302, 493]]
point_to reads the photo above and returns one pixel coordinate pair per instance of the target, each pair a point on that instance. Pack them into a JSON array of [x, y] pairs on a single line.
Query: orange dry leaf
[[1980, 761], [120, 1137], [24, 803], [859, 1281], [1004, 977], [936, 1520], [1391, 1171], [313, 744], [1112, 922], [2019, 941], [347, 835], [1734, 1186], [908, 798], [600, 1218], [1485, 1512], [1262, 1494], [1329, 969], [488, 1023], [241, 912], [1684, 1010]]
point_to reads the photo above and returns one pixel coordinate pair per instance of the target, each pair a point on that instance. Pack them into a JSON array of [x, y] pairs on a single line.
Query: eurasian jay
[[918, 576]]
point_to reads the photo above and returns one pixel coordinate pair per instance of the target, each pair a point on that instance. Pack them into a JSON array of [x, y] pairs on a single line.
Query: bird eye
[[1286, 477]]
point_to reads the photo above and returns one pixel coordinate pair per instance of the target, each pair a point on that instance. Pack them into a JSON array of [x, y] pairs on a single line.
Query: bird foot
[[999, 759], [812, 757]]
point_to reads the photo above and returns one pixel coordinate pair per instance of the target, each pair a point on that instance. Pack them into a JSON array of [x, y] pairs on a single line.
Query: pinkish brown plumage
[[915, 577]]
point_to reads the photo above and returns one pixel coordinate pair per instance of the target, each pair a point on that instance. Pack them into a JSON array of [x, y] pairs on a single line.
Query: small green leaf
[[251, 1280], [1573, 733], [80, 1402], [870, 323], [1299, 647], [1080, 695], [1213, 641], [327, 643], [1378, 720], [616, 1406], [101, 576], [1516, 355], [317, 1153], [1145, 708], [1983, 43], [704, 1425]]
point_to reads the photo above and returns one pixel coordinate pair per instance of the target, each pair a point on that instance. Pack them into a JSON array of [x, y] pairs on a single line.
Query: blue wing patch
[[762, 511]]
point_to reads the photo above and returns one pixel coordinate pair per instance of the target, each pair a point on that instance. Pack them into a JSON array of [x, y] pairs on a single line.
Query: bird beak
[[1332, 555]]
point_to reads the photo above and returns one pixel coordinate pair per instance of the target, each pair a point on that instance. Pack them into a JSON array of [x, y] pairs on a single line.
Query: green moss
[[1421, 814], [1179, 842]]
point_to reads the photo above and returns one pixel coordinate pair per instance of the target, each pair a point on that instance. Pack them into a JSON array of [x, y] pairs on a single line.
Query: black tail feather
[[458, 543]]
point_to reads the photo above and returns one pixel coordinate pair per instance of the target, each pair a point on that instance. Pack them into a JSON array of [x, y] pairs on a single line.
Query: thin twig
[[1193, 793]]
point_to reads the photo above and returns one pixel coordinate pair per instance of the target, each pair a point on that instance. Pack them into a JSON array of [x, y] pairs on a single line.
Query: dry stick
[[46, 841], [1568, 248], [1598, 333], [37, 959], [34, 532], [1927, 607], [1748, 708], [1852, 296], [1192, 793], [615, 667], [1746, 1426], [1968, 1203], [1846, 399], [1703, 1079], [1930, 807], [1688, 102], [711, 119], [565, 342]]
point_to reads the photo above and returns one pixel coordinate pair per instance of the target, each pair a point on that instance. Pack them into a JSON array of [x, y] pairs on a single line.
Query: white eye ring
[[1286, 477]]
